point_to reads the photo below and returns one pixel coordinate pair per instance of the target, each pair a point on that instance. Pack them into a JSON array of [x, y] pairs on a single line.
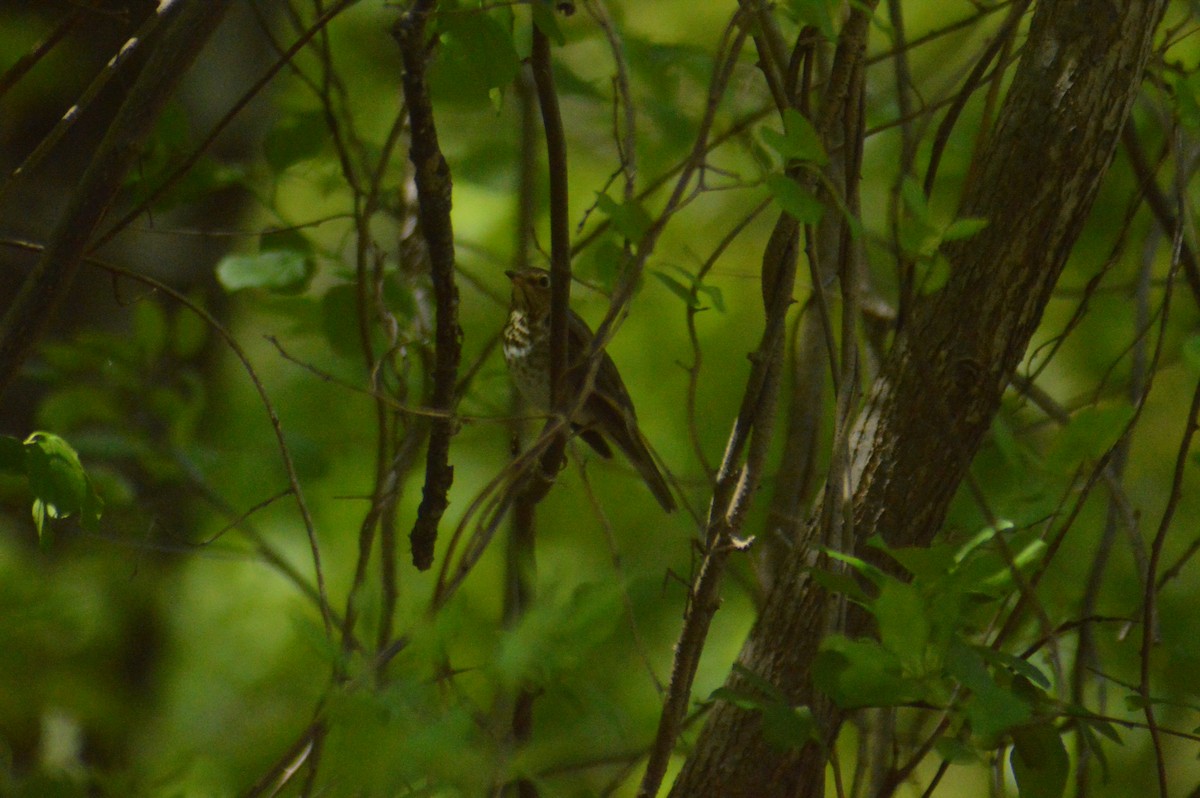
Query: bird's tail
[[634, 447]]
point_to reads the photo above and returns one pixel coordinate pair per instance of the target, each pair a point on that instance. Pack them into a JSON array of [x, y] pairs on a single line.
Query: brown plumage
[[607, 413]]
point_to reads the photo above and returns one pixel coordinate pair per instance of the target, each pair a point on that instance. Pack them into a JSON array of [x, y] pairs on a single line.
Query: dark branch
[[432, 177]]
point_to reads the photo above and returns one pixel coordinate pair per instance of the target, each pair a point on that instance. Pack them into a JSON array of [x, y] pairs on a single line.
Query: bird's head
[[531, 291]]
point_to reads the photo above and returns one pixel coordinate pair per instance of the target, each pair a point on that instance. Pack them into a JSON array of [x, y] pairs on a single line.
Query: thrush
[[606, 413]]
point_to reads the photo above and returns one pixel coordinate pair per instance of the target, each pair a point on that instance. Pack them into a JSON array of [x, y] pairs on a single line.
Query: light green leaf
[[964, 228], [932, 274], [56, 476], [285, 271]]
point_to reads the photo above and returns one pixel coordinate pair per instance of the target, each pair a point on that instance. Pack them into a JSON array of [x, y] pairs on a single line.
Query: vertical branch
[[520, 555], [432, 177], [560, 233]]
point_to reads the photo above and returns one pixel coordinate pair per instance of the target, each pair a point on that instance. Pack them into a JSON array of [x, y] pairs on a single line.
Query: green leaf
[[605, 259], [285, 271], [964, 228], [630, 218], [1091, 432], [914, 200], [799, 142], [58, 482], [677, 288], [56, 476], [955, 751], [711, 291], [793, 198], [860, 565], [839, 583], [903, 623], [739, 698], [1015, 664], [543, 17], [932, 274], [991, 709], [763, 686], [1039, 761], [1187, 99], [1191, 353], [788, 728], [482, 50], [925, 564], [815, 13], [861, 673], [295, 137]]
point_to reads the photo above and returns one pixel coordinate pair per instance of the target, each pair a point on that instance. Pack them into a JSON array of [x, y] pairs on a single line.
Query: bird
[[606, 414]]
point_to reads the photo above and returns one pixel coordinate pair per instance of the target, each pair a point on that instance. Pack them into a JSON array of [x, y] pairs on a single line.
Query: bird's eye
[[543, 280]]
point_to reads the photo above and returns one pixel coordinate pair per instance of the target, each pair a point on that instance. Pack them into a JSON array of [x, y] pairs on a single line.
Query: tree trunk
[[941, 384]]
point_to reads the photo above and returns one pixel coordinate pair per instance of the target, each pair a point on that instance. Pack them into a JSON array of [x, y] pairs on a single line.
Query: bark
[[941, 385]]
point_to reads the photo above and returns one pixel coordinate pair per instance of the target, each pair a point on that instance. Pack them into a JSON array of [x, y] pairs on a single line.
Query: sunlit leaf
[[286, 271]]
